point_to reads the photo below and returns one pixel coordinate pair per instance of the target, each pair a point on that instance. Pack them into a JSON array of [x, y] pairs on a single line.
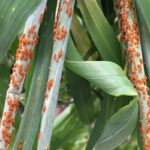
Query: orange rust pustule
[[40, 135], [60, 53], [46, 95], [44, 108], [60, 32], [130, 37], [20, 145], [50, 84], [46, 148], [41, 17], [56, 57], [69, 10]]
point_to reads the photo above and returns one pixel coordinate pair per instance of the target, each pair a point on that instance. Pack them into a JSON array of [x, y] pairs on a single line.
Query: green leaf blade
[[144, 8], [119, 127], [106, 75], [101, 32]]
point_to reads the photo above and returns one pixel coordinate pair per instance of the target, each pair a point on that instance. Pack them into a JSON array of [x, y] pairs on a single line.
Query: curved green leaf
[[101, 32], [119, 127], [106, 75], [12, 16]]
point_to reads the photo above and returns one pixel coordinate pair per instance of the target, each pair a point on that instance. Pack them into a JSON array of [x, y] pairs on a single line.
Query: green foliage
[[70, 132], [97, 102], [4, 79], [13, 15], [100, 31], [119, 127], [144, 10]]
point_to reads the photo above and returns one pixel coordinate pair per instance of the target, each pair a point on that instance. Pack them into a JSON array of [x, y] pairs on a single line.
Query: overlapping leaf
[[101, 32], [119, 127], [80, 88], [81, 40]]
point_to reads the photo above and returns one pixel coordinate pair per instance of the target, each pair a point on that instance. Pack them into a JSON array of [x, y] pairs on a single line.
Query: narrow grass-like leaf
[[27, 42], [62, 30], [119, 127], [12, 16], [100, 31], [104, 75], [4, 80], [32, 114], [82, 40], [143, 6]]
